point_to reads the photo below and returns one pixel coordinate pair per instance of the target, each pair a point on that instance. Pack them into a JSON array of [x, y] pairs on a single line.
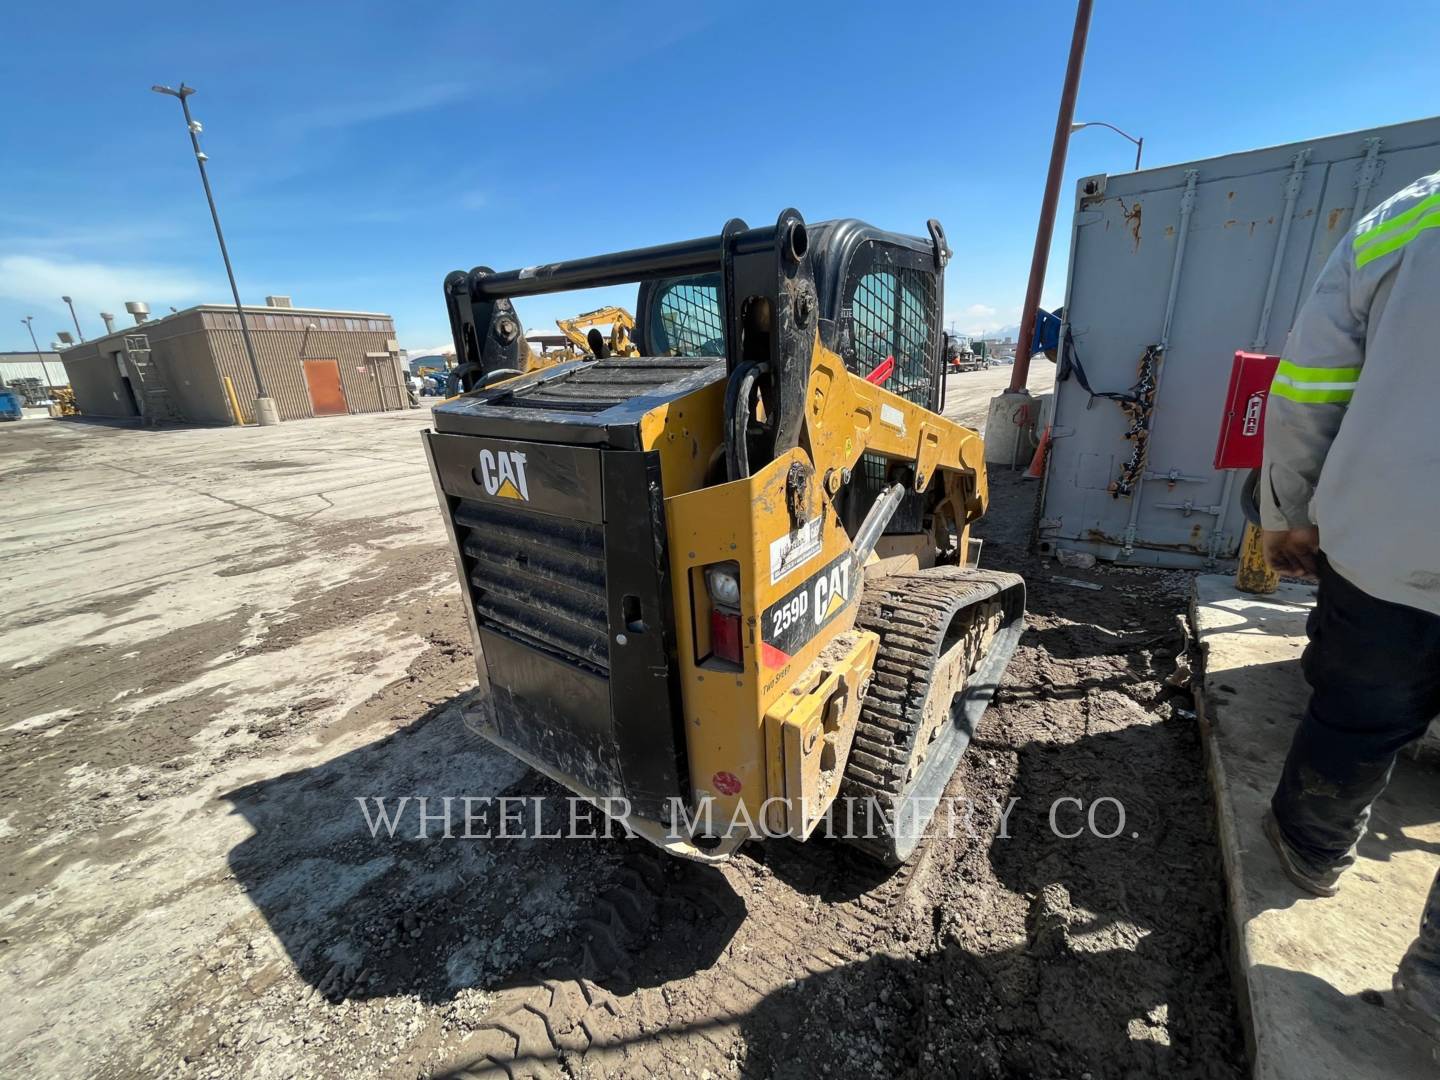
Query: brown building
[[181, 368]]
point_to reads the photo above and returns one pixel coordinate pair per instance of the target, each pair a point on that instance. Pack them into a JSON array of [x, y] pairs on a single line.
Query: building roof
[[21, 356], [250, 309]]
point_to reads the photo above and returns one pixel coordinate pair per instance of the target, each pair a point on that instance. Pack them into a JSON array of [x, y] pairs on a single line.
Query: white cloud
[[34, 279], [979, 319], [429, 350], [399, 102]]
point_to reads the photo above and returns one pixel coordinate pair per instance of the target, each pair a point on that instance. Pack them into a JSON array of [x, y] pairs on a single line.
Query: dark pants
[[1374, 671]]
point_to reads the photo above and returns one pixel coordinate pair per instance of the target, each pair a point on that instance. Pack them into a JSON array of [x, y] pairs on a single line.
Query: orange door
[[327, 396]]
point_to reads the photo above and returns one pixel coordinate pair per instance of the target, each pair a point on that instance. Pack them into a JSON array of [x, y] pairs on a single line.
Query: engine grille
[[538, 579]]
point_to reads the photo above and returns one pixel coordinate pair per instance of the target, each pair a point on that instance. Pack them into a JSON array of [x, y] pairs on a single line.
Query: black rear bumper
[[566, 575]]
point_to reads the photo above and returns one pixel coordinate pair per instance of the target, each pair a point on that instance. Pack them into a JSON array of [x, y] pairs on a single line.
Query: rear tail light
[[722, 582], [725, 636]]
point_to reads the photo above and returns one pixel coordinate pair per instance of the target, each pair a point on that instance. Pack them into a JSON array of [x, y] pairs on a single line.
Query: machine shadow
[[1113, 839], [366, 914]]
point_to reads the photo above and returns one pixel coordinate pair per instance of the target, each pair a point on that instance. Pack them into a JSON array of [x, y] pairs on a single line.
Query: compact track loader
[[721, 589]]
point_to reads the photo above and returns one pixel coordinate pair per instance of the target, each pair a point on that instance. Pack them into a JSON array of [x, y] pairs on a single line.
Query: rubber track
[[911, 613]]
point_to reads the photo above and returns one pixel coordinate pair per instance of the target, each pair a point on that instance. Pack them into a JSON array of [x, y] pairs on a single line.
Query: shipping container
[[1172, 271]]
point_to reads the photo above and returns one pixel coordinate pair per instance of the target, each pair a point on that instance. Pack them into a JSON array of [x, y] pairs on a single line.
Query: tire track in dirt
[[776, 929]]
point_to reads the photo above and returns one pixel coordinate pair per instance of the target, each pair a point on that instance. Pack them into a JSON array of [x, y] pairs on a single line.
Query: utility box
[[1242, 428], [1172, 271]]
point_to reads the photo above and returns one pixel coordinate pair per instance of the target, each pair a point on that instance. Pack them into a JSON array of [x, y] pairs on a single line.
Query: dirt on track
[[255, 927]]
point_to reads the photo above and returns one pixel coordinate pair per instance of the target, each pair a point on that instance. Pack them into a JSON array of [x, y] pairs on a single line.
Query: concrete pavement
[[1315, 972]]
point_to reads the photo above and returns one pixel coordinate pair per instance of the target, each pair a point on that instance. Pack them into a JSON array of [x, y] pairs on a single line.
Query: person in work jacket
[[1350, 496]]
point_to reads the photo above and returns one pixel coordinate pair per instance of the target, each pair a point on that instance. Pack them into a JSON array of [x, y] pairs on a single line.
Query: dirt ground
[[216, 642]]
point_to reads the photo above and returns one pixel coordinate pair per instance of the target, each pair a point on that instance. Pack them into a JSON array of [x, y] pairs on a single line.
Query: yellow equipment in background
[[581, 338], [596, 344], [63, 402]]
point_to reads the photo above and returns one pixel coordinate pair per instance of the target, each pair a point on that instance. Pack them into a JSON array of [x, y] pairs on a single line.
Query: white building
[[47, 369]]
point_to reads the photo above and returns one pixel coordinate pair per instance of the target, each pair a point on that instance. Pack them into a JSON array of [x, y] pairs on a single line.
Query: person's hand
[[1292, 552]]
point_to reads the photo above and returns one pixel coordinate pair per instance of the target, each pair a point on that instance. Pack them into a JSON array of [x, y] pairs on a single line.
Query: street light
[[265, 411], [71, 306], [49, 386], [1139, 143]]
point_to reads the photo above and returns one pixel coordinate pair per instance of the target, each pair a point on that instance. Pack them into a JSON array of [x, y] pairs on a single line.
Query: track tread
[[911, 613]]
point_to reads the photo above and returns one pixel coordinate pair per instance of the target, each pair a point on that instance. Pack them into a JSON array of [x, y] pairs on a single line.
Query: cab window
[[685, 318], [890, 315]]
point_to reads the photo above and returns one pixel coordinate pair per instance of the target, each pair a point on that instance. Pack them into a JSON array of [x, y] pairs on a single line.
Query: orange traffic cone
[[1037, 463]]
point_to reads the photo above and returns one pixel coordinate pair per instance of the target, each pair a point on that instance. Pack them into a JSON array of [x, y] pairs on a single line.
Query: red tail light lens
[[725, 636]]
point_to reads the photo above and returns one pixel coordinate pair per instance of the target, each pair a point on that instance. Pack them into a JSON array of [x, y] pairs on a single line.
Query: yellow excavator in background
[[723, 589], [596, 344], [581, 338]]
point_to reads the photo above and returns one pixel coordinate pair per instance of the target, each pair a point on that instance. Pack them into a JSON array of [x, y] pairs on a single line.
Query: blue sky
[[360, 151]]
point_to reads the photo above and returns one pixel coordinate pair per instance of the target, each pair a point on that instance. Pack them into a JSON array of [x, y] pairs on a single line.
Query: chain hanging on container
[[1140, 409]]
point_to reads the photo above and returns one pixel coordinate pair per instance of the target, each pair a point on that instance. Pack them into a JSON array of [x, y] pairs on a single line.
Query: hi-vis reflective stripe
[[1314, 385], [1394, 234]]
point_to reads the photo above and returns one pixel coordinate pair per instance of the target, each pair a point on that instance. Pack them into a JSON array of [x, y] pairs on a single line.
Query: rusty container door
[[322, 379]]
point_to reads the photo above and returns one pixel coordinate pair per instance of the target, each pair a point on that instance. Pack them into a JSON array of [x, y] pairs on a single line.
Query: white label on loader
[[794, 549], [893, 416]]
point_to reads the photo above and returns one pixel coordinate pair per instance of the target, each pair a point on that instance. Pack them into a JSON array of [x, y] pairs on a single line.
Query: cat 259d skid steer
[[721, 589]]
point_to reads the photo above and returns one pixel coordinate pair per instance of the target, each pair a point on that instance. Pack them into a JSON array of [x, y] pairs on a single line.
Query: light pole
[[71, 306], [28, 320], [1139, 143], [1063, 122], [265, 411]]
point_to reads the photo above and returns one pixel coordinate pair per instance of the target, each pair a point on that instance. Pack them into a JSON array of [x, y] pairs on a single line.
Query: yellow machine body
[[751, 734]]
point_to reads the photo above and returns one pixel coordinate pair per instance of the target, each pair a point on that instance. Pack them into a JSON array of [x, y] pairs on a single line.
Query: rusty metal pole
[[1052, 196]]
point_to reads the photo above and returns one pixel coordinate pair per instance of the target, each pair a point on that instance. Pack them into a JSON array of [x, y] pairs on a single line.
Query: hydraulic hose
[[737, 420]]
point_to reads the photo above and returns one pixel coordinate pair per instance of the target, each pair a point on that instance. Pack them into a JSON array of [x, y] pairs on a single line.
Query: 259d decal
[[801, 613]]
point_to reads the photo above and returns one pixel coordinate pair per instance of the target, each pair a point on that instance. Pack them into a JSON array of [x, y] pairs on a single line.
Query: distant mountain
[[1011, 332]]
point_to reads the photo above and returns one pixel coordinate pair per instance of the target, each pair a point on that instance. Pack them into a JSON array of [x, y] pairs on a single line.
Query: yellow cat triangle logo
[[836, 603], [502, 472]]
